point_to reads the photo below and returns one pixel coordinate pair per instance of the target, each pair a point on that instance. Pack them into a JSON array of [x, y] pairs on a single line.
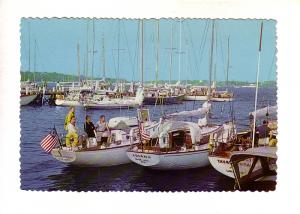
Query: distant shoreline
[[60, 77]]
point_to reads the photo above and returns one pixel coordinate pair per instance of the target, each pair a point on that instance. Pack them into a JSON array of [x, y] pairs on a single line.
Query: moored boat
[[115, 103], [262, 168], [220, 153], [110, 154], [181, 147], [172, 144], [27, 99]]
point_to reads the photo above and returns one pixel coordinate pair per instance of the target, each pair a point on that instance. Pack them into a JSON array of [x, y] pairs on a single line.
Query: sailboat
[[110, 153], [29, 93], [165, 95], [221, 153], [175, 144], [105, 102], [198, 93], [223, 96]]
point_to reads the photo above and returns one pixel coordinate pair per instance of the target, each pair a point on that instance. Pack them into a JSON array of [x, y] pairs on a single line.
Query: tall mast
[[179, 55], [93, 49], [103, 59], [227, 70], [84, 66], [211, 59], [118, 48], [257, 78], [29, 47], [215, 62], [142, 50], [78, 61], [34, 63], [171, 53], [187, 57], [87, 51], [157, 52]]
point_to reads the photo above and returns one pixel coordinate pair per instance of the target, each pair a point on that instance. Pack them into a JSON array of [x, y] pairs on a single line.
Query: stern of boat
[[65, 156], [143, 159]]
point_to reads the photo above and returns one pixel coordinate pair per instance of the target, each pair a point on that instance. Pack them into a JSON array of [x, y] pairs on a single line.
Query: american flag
[[50, 141], [144, 134]]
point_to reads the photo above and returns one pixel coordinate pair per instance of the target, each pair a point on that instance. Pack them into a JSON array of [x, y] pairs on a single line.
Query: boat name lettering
[[223, 161], [141, 156]]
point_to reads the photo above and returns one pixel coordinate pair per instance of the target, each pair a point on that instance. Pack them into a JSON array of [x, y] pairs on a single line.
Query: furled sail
[[198, 112], [263, 112]]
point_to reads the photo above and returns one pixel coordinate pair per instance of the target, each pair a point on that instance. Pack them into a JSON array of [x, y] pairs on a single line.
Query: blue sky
[[54, 42]]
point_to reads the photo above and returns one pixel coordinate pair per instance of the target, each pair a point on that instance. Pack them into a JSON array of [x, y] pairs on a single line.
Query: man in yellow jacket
[[69, 116], [72, 133]]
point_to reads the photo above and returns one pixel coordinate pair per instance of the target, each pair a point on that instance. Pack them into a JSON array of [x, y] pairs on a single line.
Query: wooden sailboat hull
[[171, 161], [27, 99]]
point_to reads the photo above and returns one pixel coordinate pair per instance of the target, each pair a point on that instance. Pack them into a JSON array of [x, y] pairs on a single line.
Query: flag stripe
[[144, 134], [46, 146], [46, 138], [49, 142], [50, 145]]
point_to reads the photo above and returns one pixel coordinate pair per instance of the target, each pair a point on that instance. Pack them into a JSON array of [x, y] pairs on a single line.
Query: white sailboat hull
[[60, 102], [192, 98], [171, 161], [109, 106], [219, 99], [222, 165], [98, 158], [27, 99]]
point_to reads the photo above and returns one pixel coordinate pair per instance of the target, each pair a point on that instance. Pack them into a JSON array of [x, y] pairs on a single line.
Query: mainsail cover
[[261, 113]]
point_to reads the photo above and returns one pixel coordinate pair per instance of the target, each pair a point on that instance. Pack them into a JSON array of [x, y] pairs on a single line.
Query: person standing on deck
[[72, 133], [263, 133], [89, 127], [69, 116], [102, 125], [102, 129]]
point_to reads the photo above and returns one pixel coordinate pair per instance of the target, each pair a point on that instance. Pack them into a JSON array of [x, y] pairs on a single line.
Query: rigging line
[[114, 63], [215, 56], [194, 52], [126, 39], [135, 59], [204, 42], [272, 64]]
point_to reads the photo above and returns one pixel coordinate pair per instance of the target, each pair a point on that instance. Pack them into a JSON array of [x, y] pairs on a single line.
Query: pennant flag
[[144, 134], [50, 141]]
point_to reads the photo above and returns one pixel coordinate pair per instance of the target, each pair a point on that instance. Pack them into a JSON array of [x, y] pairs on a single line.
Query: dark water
[[39, 171]]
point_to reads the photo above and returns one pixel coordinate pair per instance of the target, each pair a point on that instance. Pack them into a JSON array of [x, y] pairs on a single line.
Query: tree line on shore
[[60, 77]]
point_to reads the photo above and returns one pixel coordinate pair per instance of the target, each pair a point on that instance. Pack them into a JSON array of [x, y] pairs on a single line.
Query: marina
[[50, 174], [121, 134]]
